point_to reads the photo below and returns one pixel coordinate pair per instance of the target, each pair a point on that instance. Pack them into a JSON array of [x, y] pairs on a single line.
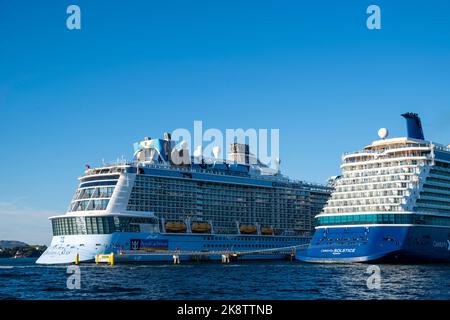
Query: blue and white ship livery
[[157, 203], [391, 203]]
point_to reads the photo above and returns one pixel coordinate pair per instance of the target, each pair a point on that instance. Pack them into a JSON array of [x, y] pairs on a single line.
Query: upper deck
[[405, 174], [207, 172]]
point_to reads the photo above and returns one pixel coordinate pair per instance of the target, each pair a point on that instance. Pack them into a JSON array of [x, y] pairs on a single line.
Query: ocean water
[[281, 280]]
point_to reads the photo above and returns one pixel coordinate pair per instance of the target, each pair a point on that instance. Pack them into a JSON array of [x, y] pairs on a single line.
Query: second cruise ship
[[391, 203], [151, 204]]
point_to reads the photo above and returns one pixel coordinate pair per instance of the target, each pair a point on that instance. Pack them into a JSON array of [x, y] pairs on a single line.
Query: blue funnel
[[414, 126]]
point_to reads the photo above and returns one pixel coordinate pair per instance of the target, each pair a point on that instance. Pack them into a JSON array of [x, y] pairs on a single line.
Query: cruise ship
[[153, 204], [391, 203]]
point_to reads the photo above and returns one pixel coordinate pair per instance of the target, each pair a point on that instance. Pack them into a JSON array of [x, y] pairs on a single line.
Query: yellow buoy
[[77, 259]]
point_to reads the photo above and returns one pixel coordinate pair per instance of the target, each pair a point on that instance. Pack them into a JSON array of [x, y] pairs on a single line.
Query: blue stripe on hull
[[378, 243]]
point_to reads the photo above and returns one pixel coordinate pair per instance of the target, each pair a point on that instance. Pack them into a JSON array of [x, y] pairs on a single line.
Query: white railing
[[190, 169], [383, 148]]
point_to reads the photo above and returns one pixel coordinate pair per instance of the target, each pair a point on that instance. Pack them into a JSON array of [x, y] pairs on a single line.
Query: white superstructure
[[156, 202]]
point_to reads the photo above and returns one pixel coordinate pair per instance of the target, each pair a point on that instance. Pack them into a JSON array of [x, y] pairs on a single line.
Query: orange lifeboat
[[248, 229], [267, 231], [176, 227], [201, 227]]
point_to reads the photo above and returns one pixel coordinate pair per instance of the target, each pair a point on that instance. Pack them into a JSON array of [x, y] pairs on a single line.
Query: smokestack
[[414, 126]]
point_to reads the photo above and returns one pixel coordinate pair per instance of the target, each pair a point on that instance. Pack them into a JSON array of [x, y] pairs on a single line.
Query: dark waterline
[[23, 279]]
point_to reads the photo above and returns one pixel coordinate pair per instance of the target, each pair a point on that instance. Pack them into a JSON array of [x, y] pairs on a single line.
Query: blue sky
[[310, 68]]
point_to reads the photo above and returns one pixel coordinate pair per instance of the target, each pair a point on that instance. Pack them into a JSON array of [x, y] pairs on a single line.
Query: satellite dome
[[277, 164], [198, 152], [216, 152], [383, 133], [183, 145]]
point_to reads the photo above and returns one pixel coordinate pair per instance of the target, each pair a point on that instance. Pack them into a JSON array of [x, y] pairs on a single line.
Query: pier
[[179, 256]]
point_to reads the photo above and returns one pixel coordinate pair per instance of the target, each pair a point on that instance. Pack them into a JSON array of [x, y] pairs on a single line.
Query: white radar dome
[[383, 133], [216, 152], [183, 145], [198, 152]]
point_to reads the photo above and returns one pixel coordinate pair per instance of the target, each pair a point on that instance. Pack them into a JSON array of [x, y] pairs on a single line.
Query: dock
[[180, 256]]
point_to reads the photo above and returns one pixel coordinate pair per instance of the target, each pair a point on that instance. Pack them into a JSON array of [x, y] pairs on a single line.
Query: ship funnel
[[414, 126]]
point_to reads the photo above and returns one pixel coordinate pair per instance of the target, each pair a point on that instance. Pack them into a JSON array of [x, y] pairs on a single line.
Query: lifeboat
[[176, 227], [201, 227], [248, 229], [267, 231]]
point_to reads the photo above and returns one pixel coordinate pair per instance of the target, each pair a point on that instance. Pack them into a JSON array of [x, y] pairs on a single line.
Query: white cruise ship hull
[[130, 246]]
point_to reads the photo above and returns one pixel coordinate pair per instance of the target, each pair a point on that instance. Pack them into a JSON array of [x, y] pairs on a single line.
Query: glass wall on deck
[[384, 219], [98, 225], [92, 198]]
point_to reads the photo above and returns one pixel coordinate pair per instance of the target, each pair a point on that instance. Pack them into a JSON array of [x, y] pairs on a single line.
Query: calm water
[[22, 279]]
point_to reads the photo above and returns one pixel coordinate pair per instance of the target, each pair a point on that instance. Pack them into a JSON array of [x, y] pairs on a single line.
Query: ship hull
[[416, 244], [151, 247]]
